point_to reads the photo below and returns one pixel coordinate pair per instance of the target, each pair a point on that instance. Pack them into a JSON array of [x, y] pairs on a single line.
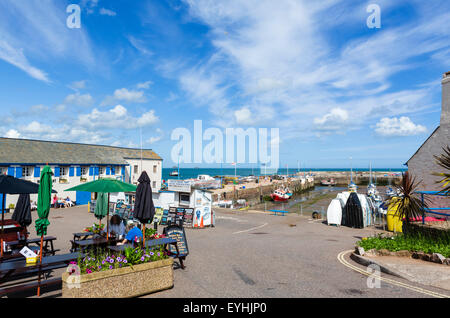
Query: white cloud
[[12, 133], [155, 139], [17, 58], [332, 121], [144, 85], [78, 85], [243, 116], [402, 126], [108, 12], [124, 95], [79, 100]]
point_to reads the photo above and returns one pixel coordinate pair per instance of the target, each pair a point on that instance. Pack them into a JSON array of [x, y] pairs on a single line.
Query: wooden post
[[143, 235], [107, 221], [3, 220], [40, 261]]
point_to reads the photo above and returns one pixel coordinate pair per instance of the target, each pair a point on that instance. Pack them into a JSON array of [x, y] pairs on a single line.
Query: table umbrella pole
[[143, 235], [3, 220], [107, 220], [40, 261]]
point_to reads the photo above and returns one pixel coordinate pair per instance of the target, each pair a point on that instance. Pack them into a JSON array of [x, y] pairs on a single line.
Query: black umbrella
[[22, 212], [11, 185], [144, 209]]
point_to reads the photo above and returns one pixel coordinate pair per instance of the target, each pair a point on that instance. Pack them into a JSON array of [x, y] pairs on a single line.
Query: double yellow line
[[342, 260]]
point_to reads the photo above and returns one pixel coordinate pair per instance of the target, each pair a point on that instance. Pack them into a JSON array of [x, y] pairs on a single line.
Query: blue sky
[[335, 88]]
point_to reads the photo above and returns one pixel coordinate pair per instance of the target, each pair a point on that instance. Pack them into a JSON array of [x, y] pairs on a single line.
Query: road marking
[[342, 260], [253, 228]]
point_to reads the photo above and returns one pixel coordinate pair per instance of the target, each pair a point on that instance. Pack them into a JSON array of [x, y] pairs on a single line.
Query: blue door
[[83, 198]]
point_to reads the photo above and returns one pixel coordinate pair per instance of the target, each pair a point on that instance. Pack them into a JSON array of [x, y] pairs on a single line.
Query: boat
[[174, 173], [390, 192], [279, 196], [334, 212], [352, 187], [328, 182]]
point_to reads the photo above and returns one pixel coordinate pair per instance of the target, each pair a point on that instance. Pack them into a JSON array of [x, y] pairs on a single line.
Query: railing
[[431, 210]]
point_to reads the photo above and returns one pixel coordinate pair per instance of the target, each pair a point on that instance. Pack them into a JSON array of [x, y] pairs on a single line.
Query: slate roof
[[25, 151]]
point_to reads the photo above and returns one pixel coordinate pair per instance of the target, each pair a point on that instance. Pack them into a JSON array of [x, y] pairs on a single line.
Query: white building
[[73, 164]]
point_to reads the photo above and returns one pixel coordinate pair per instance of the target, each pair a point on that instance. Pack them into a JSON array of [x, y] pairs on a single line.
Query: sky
[[136, 70]]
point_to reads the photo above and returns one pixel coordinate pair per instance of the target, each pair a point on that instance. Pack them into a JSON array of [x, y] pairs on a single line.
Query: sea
[[189, 173]]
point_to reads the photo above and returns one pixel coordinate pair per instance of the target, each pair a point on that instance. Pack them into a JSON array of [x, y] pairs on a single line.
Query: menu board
[[188, 217], [177, 232], [158, 215], [164, 218]]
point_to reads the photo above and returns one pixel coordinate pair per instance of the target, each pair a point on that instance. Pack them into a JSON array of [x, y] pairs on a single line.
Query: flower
[[159, 254], [142, 258], [111, 261], [103, 262], [110, 267], [125, 261]]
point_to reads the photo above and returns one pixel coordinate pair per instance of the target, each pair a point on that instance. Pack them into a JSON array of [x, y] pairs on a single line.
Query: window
[[154, 168], [101, 171], [27, 171], [135, 169], [84, 171], [184, 199], [3, 170], [63, 171]]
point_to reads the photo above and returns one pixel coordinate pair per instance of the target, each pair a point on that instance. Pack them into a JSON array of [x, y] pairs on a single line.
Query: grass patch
[[416, 243]]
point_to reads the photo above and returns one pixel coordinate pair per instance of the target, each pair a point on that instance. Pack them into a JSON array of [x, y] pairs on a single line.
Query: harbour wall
[[255, 194]]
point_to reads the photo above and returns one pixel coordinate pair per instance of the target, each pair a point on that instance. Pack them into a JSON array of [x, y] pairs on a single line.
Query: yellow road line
[[342, 260]]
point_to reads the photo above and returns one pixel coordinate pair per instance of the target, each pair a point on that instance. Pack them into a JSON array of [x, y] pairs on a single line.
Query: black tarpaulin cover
[[353, 214], [22, 212], [144, 209]]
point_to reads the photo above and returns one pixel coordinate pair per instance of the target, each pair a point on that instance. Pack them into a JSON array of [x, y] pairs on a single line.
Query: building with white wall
[[74, 163]]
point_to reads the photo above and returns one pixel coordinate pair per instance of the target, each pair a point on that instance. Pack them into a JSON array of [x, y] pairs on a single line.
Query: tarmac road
[[257, 255], [265, 256]]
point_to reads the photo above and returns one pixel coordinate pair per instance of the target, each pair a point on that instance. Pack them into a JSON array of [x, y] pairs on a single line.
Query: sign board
[[177, 233], [179, 185], [27, 252], [202, 216], [188, 217], [164, 218]]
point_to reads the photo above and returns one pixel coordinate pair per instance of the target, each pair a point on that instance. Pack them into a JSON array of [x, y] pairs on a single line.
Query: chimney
[[445, 114]]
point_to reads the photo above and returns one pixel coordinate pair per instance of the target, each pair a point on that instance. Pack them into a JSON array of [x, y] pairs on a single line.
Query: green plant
[[410, 206], [444, 161], [413, 243]]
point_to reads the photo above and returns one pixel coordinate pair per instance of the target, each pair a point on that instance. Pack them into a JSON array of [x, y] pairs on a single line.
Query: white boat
[[334, 212]]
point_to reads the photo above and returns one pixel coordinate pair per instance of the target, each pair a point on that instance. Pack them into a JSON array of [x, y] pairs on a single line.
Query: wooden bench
[[20, 267], [48, 247], [28, 286], [275, 212]]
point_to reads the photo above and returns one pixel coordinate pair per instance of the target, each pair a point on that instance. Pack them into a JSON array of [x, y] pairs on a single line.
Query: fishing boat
[[328, 182], [174, 173], [279, 196]]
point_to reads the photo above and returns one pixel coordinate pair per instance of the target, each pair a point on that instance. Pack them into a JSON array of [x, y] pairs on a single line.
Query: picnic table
[[49, 263], [151, 243], [78, 237], [47, 249], [83, 245]]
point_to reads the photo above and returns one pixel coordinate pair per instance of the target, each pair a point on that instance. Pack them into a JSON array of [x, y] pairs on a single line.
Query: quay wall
[[255, 194]]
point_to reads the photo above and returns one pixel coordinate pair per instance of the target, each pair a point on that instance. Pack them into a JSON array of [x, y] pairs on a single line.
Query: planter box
[[122, 282]]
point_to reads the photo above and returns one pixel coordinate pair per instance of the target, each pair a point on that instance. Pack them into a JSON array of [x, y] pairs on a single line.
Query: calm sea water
[[188, 173]]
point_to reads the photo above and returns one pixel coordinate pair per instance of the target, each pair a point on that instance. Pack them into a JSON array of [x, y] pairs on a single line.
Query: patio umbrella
[[101, 208], [22, 212], [144, 209], [105, 185], [11, 185], [43, 209]]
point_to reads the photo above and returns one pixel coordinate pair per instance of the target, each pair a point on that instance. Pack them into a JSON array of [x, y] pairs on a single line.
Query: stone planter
[[124, 282]]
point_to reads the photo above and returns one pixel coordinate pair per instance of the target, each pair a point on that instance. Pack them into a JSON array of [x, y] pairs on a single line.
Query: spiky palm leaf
[[410, 206], [444, 161]]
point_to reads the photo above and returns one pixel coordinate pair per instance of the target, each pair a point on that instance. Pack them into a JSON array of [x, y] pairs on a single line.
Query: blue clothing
[[133, 234]]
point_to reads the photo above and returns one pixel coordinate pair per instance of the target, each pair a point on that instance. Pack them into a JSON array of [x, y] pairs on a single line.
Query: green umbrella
[[105, 185], [101, 208], [43, 208], [43, 202]]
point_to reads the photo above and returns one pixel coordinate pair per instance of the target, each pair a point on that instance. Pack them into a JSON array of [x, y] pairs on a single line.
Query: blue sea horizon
[[188, 173]]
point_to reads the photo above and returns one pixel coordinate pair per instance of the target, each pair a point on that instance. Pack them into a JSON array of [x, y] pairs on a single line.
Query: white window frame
[[29, 171], [84, 171], [101, 171], [63, 171]]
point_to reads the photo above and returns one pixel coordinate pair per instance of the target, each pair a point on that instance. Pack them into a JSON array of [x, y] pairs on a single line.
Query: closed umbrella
[[101, 207], [105, 185], [43, 208], [22, 212], [144, 209], [11, 185]]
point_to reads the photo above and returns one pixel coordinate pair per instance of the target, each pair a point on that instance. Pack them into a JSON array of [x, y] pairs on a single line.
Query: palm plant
[[410, 206], [444, 161]]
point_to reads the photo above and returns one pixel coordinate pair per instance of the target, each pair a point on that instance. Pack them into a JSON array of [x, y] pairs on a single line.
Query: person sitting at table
[[68, 203], [116, 226], [134, 234]]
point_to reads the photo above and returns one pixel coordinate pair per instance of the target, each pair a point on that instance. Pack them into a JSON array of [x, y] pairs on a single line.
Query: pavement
[[414, 270], [258, 255]]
